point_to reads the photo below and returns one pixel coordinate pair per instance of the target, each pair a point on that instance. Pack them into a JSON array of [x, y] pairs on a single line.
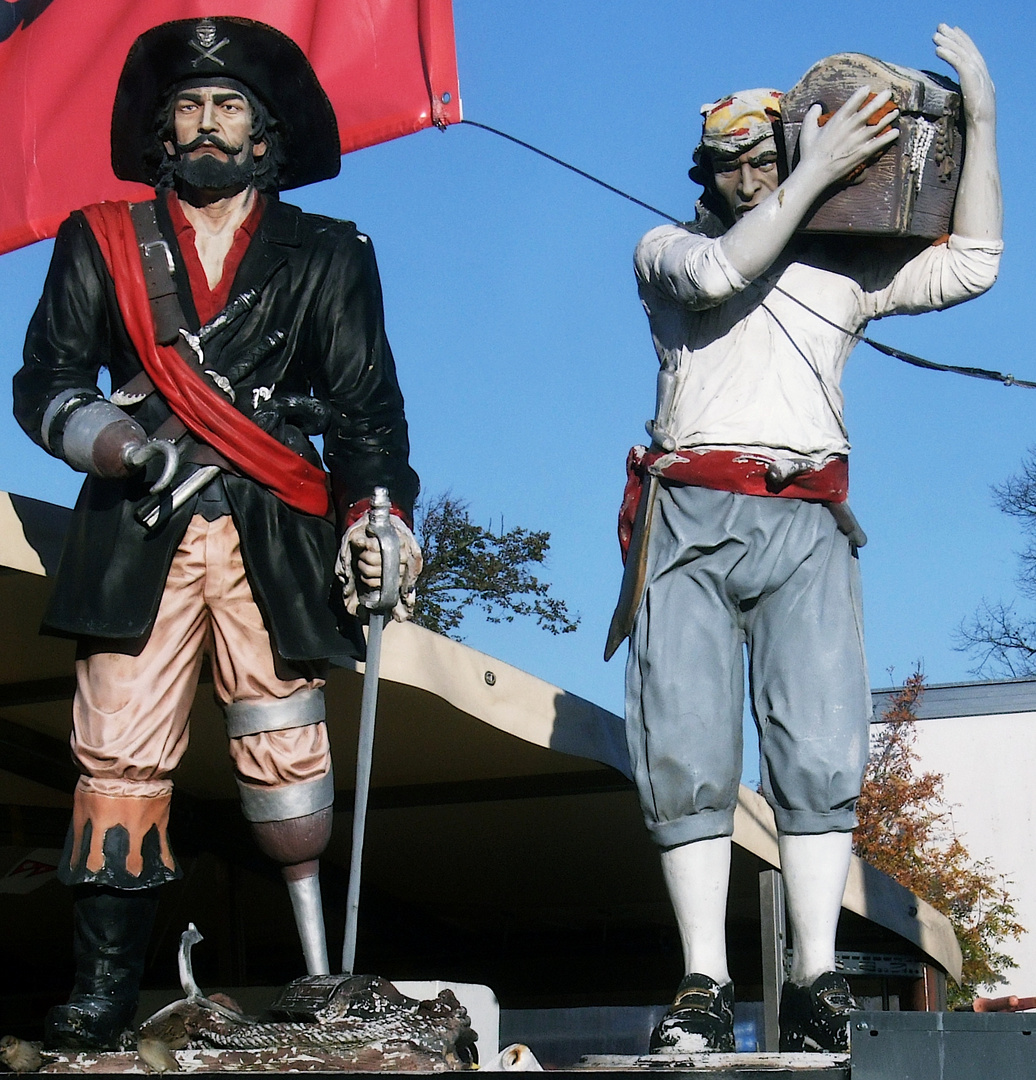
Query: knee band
[[288, 801], [301, 709]]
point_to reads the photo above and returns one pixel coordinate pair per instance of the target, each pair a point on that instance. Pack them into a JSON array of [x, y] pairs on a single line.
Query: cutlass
[[378, 602]]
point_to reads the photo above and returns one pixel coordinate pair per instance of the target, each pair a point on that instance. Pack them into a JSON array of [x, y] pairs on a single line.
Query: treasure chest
[[909, 189]]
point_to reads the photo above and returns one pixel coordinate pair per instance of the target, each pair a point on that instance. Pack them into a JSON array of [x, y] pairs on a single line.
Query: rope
[[888, 350]]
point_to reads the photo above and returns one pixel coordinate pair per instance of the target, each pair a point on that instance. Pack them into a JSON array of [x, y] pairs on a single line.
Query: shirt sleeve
[[939, 277], [687, 267]]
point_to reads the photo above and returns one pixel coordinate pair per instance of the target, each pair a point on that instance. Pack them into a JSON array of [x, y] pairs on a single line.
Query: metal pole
[[771, 911]]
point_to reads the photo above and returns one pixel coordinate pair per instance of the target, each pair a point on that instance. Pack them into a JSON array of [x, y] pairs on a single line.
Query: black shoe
[[816, 1018], [701, 1017], [111, 932]]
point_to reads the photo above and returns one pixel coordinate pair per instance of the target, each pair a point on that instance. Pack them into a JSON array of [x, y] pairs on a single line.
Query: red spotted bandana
[[736, 123]]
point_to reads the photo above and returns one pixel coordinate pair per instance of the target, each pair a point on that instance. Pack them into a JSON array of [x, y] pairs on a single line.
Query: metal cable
[[888, 350], [572, 168]]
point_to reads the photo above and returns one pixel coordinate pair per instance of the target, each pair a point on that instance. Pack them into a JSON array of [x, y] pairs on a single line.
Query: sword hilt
[[380, 527]]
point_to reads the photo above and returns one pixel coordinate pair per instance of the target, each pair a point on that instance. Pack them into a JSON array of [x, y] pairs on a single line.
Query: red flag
[[388, 66]]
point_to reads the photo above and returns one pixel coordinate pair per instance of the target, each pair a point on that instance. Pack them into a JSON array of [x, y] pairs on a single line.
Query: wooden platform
[[710, 1066]]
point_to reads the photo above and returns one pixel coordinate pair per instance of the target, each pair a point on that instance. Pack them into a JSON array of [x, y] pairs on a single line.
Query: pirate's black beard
[[213, 175]]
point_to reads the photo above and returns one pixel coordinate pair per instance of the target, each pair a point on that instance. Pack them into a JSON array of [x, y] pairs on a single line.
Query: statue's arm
[[967, 264], [702, 273], [826, 155], [56, 396], [66, 338], [979, 211], [367, 445]]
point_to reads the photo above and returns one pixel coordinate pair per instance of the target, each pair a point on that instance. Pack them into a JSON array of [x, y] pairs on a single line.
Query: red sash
[[206, 413], [724, 470]]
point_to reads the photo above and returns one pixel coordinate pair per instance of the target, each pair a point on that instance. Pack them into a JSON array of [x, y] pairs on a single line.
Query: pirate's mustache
[[210, 140]]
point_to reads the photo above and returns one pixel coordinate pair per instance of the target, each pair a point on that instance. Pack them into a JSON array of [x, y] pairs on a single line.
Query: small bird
[[169, 1030], [226, 1001], [18, 1055], [156, 1056]]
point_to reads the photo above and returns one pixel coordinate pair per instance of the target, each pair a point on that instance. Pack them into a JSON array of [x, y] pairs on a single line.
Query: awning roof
[[468, 747]]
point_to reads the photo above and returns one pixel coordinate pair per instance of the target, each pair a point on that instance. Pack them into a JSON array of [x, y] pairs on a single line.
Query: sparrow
[[156, 1056], [169, 1031], [19, 1055]]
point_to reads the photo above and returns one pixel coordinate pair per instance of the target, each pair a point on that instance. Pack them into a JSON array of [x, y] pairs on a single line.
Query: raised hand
[[959, 51], [847, 140], [978, 212]]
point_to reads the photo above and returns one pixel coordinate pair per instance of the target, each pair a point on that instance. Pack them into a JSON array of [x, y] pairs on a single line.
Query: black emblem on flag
[[15, 13]]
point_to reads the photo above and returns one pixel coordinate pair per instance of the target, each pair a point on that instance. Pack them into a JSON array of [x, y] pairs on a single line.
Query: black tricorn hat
[[266, 61]]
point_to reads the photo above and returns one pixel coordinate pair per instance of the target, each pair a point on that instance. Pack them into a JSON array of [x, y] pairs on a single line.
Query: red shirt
[[210, 302]]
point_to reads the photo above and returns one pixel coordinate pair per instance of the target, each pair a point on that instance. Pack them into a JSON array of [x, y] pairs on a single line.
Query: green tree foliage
[[906, 831], [467, 566], [1002, 639]]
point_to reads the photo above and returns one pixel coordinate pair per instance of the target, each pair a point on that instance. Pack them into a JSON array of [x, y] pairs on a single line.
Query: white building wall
[[989, 766]]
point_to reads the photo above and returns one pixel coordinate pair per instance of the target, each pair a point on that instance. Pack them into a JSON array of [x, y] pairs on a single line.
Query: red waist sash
[[206, 413], [725, 470]]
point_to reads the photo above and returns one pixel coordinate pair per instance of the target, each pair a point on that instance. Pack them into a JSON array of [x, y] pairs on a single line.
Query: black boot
[[815, 1018], [111, 932], [700, 1018]]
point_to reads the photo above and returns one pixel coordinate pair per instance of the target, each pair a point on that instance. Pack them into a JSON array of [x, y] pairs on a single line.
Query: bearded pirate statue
[[748, 539], [233, 327]]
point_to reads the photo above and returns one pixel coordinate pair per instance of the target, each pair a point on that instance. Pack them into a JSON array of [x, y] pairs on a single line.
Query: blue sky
[[524, 354]]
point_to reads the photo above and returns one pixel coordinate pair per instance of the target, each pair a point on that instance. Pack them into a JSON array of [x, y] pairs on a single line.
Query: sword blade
[[364, 756], [634, 573]]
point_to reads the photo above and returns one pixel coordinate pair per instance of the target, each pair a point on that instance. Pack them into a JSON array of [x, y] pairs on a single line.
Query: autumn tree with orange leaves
[[906, 831]]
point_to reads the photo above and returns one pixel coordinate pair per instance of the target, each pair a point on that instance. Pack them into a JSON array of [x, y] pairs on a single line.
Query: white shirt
[[745, 367]]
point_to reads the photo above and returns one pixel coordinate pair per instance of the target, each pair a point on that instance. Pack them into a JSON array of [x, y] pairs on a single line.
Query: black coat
[[318, 287]]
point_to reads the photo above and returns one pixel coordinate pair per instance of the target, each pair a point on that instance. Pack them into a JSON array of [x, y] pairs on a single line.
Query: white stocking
[[815, 868], [697, 876]]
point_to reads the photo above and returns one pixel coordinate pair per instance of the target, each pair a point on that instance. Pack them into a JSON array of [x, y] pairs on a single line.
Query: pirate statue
[[743, 530], [233, 327]]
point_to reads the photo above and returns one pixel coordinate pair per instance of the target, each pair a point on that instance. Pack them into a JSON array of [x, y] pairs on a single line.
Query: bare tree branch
[[1003, 641]]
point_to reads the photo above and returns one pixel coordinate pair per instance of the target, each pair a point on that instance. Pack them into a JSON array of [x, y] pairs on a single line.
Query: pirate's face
[[745, 179], [213, 121]]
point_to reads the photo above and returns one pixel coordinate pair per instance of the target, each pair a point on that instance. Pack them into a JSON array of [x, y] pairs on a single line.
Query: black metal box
[[943, 1046]]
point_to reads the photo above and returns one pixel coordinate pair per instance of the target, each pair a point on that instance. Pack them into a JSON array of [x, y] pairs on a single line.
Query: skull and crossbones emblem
[[205, 44]]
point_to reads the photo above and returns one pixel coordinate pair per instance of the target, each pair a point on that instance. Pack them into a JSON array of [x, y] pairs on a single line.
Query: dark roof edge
[[989, 698]]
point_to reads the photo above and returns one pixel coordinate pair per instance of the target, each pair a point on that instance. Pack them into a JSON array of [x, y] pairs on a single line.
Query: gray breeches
[[726, 570]]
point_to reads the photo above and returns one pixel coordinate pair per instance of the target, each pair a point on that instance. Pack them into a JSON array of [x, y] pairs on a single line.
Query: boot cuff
[[119, 841]]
